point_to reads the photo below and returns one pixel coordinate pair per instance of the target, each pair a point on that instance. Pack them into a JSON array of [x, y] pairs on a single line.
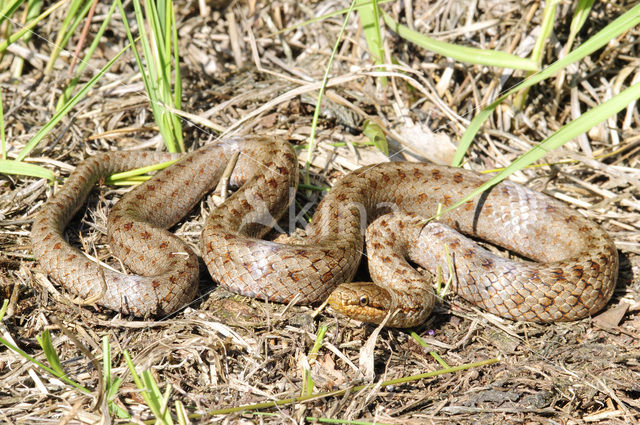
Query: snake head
[[363, 301]]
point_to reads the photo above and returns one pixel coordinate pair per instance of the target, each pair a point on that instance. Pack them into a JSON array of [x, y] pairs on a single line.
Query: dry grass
[[225, 351]]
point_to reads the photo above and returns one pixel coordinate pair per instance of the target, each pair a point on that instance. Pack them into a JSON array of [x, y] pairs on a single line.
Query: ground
[[225, 351]]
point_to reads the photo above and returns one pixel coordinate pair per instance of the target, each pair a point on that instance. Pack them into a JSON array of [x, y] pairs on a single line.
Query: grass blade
[[623, 23], [16, 36], [355, 389], [156, 70], [588, 120], [9, 9], [66, 108], [3, 142], [460, 53], [34, 7], [325, 78], [53, 372], [19, 168], [83, 64], [44, 339], [77, 12], [370, 20], [548, 19]]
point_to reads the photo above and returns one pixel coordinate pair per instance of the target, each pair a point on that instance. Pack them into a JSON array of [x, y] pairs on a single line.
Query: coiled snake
[[573, 275]]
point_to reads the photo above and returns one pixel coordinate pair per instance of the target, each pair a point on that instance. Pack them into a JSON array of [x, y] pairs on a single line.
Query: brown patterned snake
[[574, 277]]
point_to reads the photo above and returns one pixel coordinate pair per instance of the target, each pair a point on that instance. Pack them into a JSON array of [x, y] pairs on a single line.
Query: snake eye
[[364, 300]]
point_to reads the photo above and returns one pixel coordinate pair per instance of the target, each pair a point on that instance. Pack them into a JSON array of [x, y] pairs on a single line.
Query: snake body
[[573, 276], [167, 269]]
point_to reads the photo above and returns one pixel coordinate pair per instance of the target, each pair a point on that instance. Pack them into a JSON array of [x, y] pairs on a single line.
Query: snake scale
[[572, 274]]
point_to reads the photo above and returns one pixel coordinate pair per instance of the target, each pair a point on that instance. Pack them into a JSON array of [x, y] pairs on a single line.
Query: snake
[[568, 271]]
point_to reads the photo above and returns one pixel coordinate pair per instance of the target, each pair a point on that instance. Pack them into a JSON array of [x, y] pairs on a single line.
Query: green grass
[[568, 132], [50, 353], [460, 53], [44, 131], [164, 86], [325, 78], [79, 71], [27, 27], [158, 401], [149, 390], [307, 380], [34, 7], [160, 68], [160, 71], [17, 166], [76, 12], [369, 14], [3, 141], [351, 390], [111, 384], [583, 7]]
